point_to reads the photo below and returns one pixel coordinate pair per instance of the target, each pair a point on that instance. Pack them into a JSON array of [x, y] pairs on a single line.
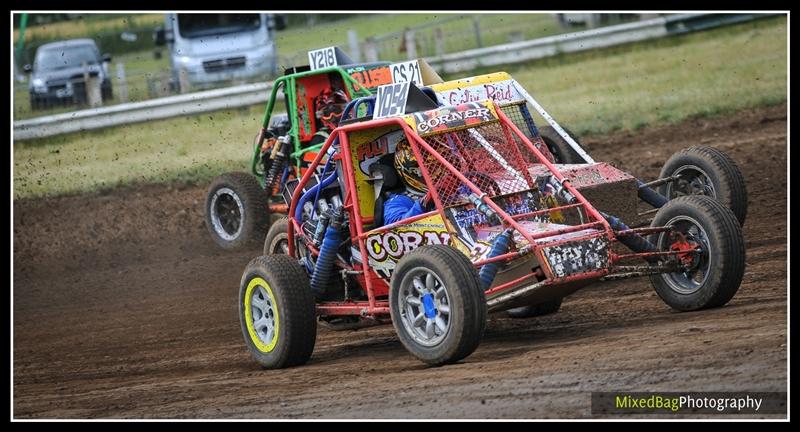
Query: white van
[[205, 49]]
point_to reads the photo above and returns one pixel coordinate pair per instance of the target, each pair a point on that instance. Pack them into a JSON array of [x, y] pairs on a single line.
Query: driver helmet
[[406, 165], [330, 106]]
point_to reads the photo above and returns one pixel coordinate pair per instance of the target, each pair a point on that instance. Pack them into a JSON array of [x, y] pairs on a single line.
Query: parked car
[[213, 48], [57, 75]]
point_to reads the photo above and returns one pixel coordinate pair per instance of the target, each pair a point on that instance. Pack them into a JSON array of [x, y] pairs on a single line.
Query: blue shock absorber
[[650, 196], [634, 241], [323, 268], [501, 245]]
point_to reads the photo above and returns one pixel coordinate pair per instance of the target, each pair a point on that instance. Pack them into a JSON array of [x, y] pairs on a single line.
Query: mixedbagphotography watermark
[[622, 402]]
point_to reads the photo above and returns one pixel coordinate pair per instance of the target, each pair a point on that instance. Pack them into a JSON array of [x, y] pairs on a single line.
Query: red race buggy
[[505, 228]]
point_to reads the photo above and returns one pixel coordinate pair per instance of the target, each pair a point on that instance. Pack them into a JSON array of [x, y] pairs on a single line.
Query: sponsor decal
[[452, 117], [385, 249], [392, 245], [467, 215], [368, 153], [573, 258], [371, 77], [480, 250], [500, 92]]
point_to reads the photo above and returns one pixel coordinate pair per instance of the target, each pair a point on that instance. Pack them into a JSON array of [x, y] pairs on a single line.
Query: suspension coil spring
[[279, 157], [323, 270]]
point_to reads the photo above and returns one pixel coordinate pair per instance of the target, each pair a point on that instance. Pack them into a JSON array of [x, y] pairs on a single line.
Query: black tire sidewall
[[559, 148], [278, 230], [723, 175], [254, 217], [726, 252], [294, 305], [467, 303]]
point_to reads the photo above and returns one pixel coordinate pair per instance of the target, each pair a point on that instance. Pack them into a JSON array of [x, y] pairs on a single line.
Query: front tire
[[277, 312], [237, 211], [713, 275], [706, 171], [437, 304]]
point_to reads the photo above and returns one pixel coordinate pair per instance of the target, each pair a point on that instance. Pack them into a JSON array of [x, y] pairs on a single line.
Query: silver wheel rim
[[263, 315], [691, 280], [227, 213], [693, 181], [280, 244], [424, 305]]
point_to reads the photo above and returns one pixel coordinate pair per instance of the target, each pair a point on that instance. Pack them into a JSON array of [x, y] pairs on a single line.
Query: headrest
[[385, 168]]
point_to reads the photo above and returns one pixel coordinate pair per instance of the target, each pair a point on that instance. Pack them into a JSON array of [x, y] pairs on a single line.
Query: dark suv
[[57, 75]]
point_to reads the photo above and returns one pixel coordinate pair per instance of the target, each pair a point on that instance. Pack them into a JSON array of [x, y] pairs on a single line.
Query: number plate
[[406, 72], [391, 100], [322, 58]]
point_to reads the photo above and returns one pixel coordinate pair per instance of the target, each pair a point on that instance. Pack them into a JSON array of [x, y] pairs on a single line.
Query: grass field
[[81, 27], [704, 73]]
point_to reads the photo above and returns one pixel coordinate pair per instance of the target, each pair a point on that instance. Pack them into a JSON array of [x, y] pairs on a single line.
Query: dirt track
[[123, 307]]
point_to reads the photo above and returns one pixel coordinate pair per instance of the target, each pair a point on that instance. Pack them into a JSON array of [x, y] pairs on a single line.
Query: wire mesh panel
[[519, 114], [499, 164], [487, 155]]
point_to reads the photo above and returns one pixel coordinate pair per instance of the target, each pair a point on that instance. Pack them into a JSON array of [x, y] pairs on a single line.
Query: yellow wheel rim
[[261, 315]]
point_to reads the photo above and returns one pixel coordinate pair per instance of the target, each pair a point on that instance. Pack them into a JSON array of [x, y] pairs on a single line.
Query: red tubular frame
[[618, 258], [550, 167], [503, 215], [510, 284], [545, 211], [398, 223], [504, 257], [645, 230], [352, 308], [374, 307]]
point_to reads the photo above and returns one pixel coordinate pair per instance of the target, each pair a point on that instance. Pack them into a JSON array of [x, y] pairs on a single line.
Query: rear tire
[[540, 309], [716, 272], [437, 304], [277, 241], [558, 146], [237, 211], [277, 312], [707, 171]]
